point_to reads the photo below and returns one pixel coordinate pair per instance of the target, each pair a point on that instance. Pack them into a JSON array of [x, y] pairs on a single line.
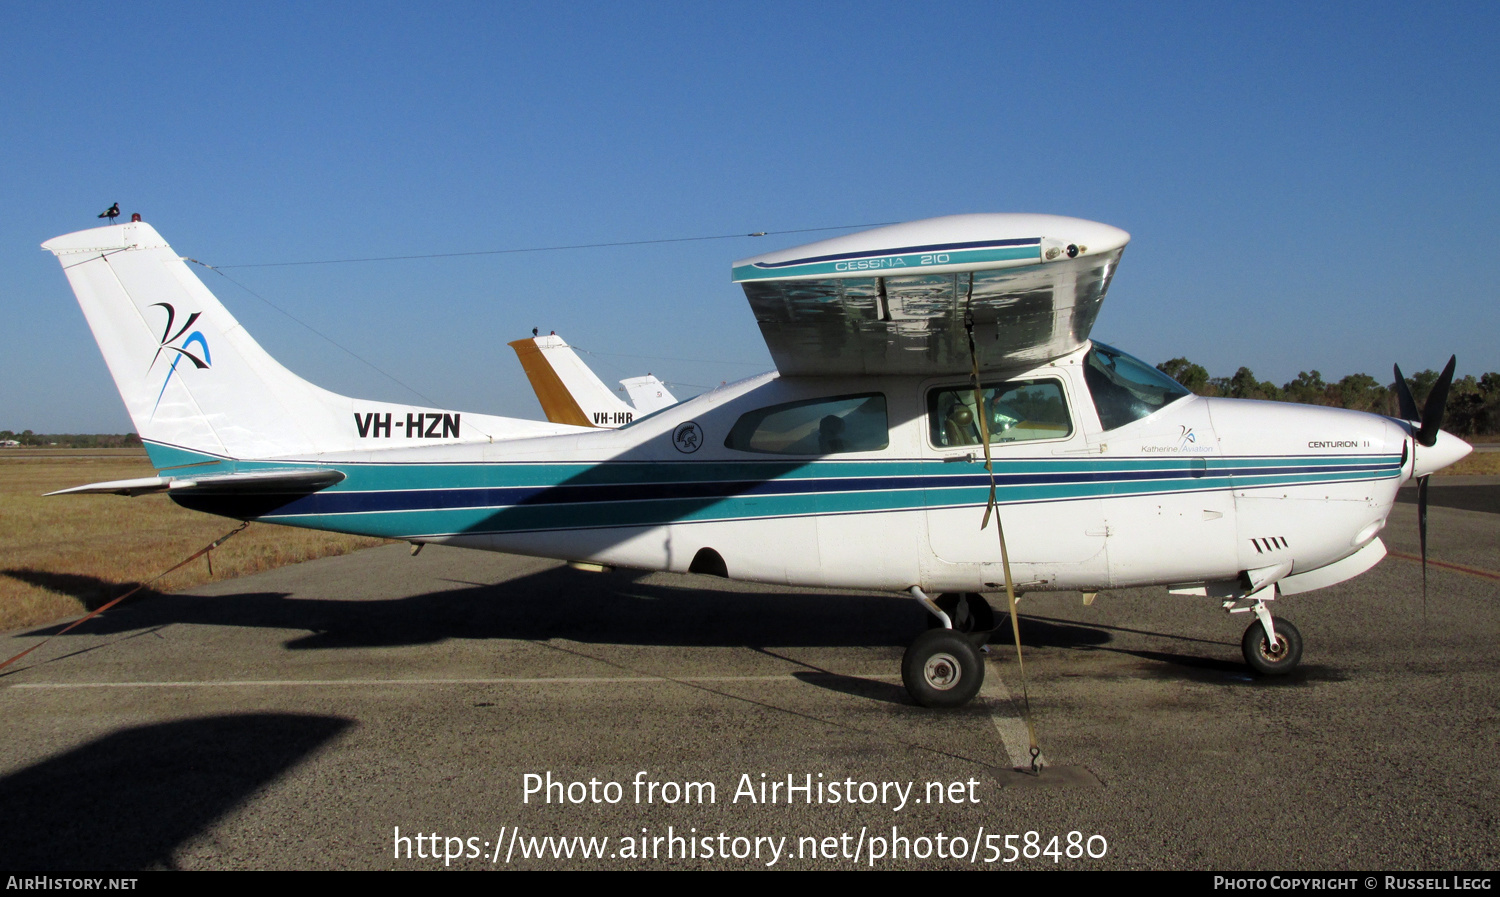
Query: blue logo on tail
[[182, 349]]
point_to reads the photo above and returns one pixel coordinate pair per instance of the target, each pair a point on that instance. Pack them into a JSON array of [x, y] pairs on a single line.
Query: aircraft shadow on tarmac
[[130, 799], [869, 689], [595, 608], [1173, 664], [91, 590], [1168, 665], [620, 608]]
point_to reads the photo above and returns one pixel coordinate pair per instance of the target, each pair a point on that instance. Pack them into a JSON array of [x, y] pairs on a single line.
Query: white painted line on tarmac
[[1006, 716], [558, 680]]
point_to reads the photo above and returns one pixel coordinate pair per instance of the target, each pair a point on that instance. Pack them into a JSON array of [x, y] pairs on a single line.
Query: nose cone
[[1448, 449]]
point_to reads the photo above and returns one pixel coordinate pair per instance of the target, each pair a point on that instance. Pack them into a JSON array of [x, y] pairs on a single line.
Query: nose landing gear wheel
[[1268, 659], [942, 668]]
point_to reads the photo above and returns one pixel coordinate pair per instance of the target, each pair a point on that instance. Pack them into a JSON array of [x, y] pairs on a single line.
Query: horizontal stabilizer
[[253, 481], [648, 394]]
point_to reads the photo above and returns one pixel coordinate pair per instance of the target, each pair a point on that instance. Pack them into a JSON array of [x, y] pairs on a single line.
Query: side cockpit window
[[814, 427], [1126, 389], [1015, 411]]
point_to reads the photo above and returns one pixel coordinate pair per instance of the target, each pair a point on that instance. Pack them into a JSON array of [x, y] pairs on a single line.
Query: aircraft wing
[[893, 300], [247, 482]]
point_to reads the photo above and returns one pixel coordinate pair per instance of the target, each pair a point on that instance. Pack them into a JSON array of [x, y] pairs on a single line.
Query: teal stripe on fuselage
[[592, 515], [967, 495], [378, 476], [1099, 478], [888, 265], [381, 477], [583, 513]]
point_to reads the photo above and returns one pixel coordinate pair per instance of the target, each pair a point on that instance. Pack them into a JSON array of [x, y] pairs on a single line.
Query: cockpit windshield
[[1126, 389]]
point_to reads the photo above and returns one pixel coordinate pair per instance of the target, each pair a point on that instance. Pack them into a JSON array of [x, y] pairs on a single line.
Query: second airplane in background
[[570, 393]]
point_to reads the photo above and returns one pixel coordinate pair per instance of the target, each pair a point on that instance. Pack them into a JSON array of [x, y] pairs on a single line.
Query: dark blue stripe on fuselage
[[354, 502]]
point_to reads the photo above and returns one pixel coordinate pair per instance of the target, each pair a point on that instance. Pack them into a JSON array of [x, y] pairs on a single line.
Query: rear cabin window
[[1015, 411], [814, 427]]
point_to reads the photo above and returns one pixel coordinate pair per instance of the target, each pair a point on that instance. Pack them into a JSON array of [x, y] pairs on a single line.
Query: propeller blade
[[1422, 532], [1437, 402], [1403, 395]]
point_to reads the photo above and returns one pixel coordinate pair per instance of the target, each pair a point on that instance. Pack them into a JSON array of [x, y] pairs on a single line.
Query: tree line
[[72, 440], [1473, 403]]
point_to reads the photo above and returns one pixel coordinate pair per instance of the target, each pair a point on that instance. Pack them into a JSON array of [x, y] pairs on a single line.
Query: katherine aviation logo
[[1187, 444], [193, 347]]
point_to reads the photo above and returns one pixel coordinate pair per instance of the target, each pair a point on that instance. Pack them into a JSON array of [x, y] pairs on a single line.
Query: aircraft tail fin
[[193, 379], [570, 393]]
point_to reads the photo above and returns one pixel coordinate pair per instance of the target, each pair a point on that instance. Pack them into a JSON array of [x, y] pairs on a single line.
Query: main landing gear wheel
[[1268, 659], [968, 611], [942, 668]]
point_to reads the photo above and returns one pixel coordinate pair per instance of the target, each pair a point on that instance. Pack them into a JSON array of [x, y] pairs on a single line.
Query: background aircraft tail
[[570, 393], [193, 379]]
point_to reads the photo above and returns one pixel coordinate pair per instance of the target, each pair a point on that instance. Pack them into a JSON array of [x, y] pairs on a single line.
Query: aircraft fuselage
[[1197, 491]]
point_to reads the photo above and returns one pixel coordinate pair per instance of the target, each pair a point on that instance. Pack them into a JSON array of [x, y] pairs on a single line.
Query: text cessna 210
[[859, 463]]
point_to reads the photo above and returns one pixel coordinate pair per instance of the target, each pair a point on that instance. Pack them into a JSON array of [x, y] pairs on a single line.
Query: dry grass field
[[1476, 464], [62, 555]]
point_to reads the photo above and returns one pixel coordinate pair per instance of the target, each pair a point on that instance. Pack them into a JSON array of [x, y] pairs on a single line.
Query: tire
[[942, 668], [977, 616], [1260, 655]]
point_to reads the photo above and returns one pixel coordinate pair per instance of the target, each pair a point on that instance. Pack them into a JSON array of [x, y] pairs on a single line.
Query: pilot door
[[1054, 525]]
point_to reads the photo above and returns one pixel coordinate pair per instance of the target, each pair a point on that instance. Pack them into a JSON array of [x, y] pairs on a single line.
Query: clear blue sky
[[1307, 185]]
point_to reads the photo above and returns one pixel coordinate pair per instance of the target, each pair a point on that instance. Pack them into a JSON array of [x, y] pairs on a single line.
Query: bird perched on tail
[[111, 213]]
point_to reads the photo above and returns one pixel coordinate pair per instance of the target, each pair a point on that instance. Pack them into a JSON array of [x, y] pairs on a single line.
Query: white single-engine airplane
[[907, 356]]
